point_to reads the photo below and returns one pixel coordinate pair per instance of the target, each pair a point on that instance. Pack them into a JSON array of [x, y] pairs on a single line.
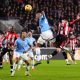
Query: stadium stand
[[54, 9]]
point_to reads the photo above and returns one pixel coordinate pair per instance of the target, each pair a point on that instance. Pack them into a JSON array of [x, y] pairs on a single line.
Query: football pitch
[[56, 70]]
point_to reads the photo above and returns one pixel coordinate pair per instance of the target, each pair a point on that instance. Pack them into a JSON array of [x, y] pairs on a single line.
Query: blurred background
[[12, 13]]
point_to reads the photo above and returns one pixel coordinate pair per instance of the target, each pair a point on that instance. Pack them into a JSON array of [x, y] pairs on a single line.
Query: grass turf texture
[[56, 70]]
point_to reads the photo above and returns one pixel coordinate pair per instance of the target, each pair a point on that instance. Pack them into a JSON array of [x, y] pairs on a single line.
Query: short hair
[[24, 30], [39, 11], [30, 31]]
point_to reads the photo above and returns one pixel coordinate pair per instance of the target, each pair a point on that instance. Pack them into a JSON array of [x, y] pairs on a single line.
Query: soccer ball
[[28, 7]]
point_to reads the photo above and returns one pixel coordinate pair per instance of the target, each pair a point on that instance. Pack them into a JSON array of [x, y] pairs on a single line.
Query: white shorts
[[21, 55], [47, 35]]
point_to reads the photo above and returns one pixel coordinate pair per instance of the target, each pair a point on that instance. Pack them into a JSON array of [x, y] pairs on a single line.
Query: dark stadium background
[[55, 11]]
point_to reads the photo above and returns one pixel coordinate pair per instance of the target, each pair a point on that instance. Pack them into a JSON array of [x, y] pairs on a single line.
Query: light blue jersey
[[43, 23], [31, 41], [22, 45]]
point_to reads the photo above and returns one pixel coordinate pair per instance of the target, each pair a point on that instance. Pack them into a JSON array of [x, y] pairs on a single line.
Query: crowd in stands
[[54, 9]]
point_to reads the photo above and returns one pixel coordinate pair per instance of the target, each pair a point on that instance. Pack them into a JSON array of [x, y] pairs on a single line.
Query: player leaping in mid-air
[[46, 33]]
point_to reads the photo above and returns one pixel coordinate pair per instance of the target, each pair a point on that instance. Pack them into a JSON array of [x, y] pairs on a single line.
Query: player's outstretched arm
[[76, 20], [43, 13]]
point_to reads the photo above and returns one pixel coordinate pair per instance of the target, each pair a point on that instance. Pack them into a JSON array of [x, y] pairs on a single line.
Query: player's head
[[64, 21], [30, 33], [38, 15], [23, 33], [12, 29]]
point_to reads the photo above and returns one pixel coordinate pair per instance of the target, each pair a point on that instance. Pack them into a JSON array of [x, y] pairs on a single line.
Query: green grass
[[56, 70]]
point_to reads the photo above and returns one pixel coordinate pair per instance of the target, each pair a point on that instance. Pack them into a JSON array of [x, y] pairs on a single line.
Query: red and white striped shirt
[[65, 29], [72, 43], [10, 37]]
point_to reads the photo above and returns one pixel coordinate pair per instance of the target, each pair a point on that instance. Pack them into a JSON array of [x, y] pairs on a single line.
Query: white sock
[[38, 51], [7, 57], [67, 60], [27, 68], [38, 54], [32, 62], [14, 66], [20, 64]]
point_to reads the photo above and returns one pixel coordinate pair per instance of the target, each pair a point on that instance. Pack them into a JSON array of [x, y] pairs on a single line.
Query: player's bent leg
[[2, 53], [32, 59], [32, 62], [72, 57], [66, 58], [20, 64], [14, 66], [11, 60], [38, 60], [54, 53], [38, 56], [69, 57], [27, 68], [17, 58], [26, 59]]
